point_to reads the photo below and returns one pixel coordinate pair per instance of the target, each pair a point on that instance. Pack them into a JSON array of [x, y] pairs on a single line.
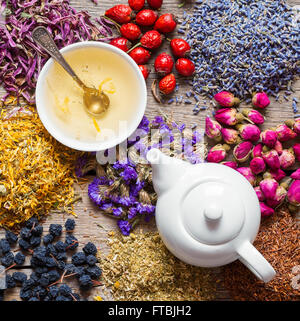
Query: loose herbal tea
[[139, 267], [278, 241], [36, 172]]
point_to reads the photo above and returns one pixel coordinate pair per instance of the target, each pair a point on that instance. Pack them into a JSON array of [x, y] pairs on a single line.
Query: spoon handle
[[44, 39]]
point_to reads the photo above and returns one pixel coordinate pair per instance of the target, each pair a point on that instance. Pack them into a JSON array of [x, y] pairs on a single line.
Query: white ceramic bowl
[[58, 133]]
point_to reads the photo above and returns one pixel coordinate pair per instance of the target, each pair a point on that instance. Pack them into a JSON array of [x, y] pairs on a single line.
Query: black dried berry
[[50, 249], [78, 258], [33, 299], [53, 291], [94, 272], [91, 260], [53, 276], [61, 256], [90, 248], [40, 270], [85, 282], [48, 239], [4, 246], [25, 233], [11, 237], [60, 246], [51, 262], [70, 225], [33, 221], [71, 242], [63, 298], [19, 258], [64, 290], [25, 295], [44, 280], [29, 284], [19, 277], [10, 282], [35, 241], [8, 259], [38, 230], [55, 229], [24, 245], [70, 268]]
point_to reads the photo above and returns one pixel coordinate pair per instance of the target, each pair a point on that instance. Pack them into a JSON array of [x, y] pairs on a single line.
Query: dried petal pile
[[20, 59], [243, 46], [140, 267], [278, 242], [36, 172], [124, 189]]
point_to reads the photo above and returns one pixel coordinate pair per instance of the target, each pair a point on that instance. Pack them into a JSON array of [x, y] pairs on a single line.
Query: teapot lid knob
[[213, 212]]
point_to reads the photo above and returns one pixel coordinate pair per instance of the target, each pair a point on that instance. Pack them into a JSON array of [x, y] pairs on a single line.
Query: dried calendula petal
[[37, 172]]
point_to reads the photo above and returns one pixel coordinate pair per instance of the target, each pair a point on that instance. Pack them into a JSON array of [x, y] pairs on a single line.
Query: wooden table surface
[[88, 215]]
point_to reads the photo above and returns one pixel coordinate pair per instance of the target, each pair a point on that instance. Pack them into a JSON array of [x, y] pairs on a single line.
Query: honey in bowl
[[99, 68]]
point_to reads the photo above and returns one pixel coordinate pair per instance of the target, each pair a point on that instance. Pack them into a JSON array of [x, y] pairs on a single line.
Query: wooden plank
[[89, 217]]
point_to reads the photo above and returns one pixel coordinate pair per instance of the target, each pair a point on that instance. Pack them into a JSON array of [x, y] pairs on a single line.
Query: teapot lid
[[212, 207]]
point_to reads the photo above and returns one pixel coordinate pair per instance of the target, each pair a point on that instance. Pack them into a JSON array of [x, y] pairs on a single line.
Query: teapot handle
[[255, 262]]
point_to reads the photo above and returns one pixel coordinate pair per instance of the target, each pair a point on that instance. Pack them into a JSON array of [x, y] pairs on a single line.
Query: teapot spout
[[166, 171]]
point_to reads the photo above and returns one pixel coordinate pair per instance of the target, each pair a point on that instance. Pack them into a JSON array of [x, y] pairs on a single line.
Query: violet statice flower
[[197, 137], [117, 211], [125, 227], [93, 189], [129, 174], [126, 200], [132, 212], [106, 206], [144, 124], [136, 187], [157, 120], [145, 208]]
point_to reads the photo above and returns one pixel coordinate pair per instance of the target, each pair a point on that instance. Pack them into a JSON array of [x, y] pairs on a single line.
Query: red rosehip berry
[[165, 23], [146, 17], [121, 43], [167, 84], [185, 67], [180, 48], [136, 5], [130, 31], [152, 39], [140, 55], [163, 64], [120, 13], [155, 4], [145, 71]]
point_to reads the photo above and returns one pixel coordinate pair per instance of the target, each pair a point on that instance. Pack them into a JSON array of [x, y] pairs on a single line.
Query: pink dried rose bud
[[255, 116], [277, 174], [259, 193], [293, 194], [249, 132], [217, 153], [279, 197], [257, 150], [265, 210], [228, 116], [296, 174], [230, 136], [232, 165], [242, 151], [269, 137], [271, 158], [294, 125], [287, 158], [278, 147], [296, 149], [260, 100], [269, 186], [226, 99], [247, 173], [213, 129], [257, 165], [284, 133]]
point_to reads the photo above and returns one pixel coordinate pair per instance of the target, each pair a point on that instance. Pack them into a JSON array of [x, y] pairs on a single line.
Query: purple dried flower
[[125, 227], [117, 211], [93, 189], [129, 174], [269, 137]]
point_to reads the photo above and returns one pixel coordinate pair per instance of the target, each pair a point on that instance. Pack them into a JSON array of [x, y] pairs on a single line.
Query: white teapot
[[207, 214]]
